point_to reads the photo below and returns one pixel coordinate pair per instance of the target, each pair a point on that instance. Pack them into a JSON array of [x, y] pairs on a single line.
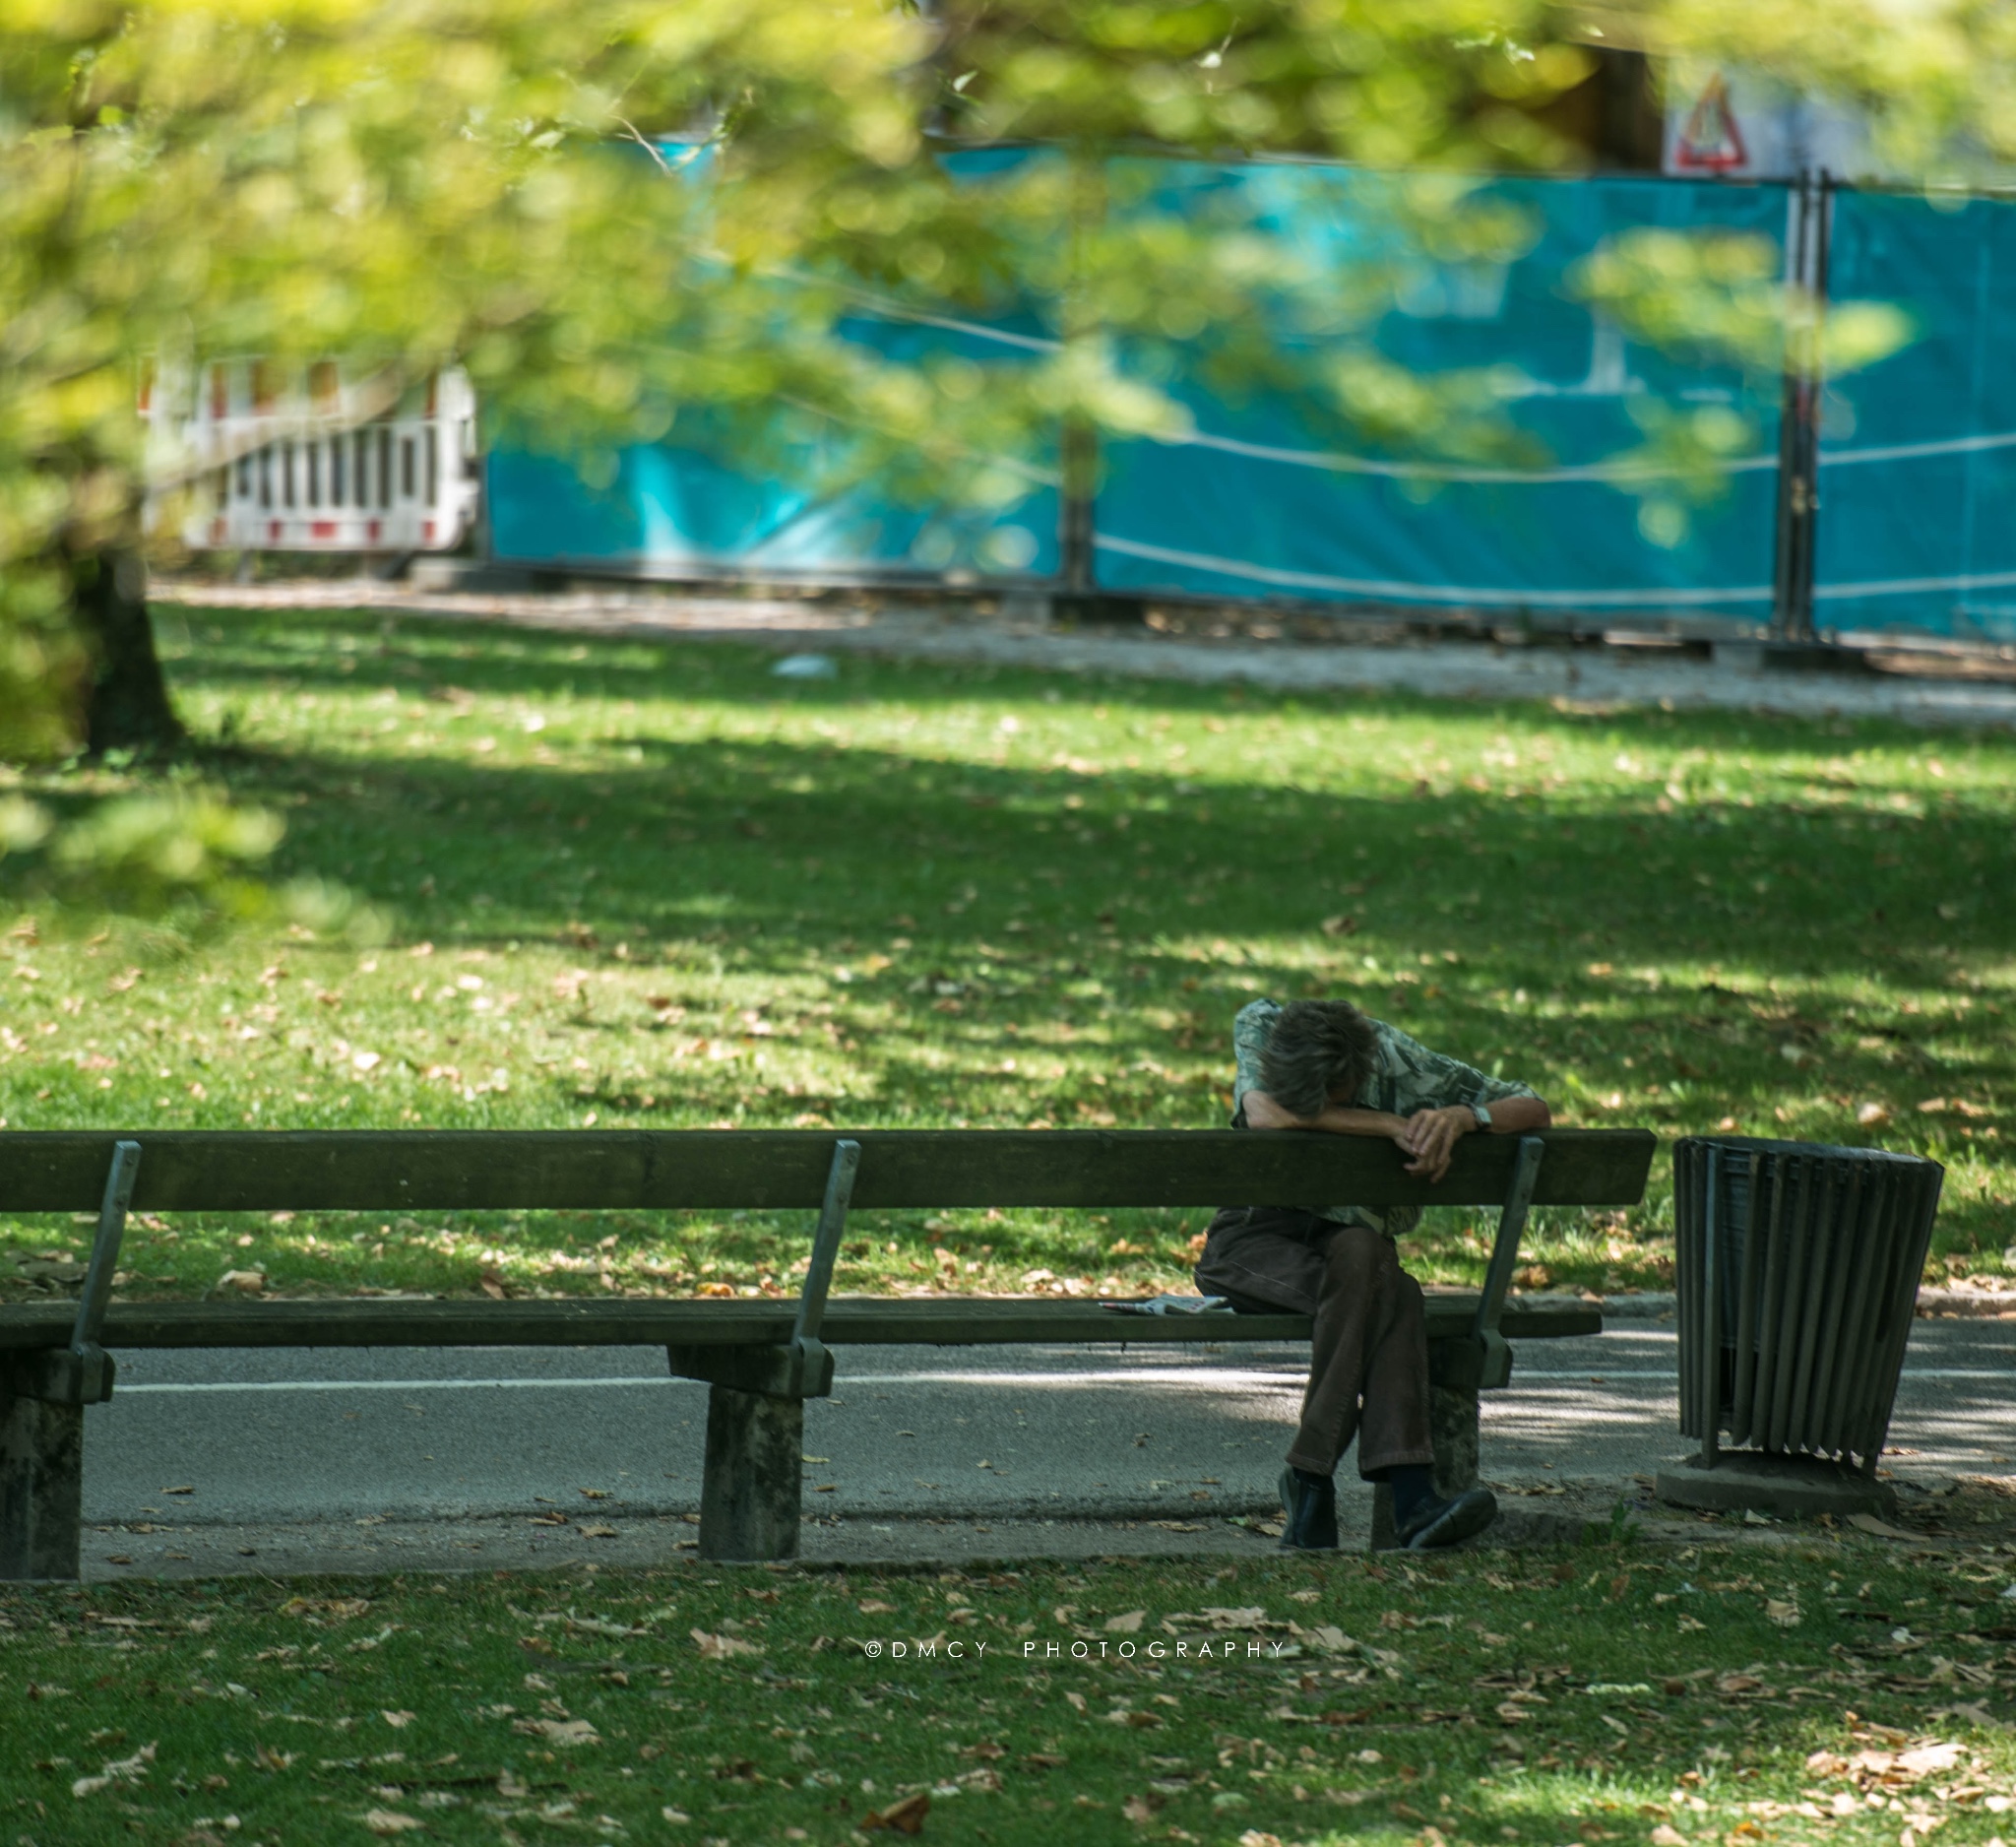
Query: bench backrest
[[442, 1171]]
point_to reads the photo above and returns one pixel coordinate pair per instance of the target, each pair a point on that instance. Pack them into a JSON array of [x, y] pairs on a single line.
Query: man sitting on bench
[[1322, 1065]]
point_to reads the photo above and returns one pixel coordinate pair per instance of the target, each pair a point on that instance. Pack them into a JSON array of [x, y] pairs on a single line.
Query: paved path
[[330, 1455]]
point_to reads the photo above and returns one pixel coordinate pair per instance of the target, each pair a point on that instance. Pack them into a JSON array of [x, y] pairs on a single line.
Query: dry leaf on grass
[[906, 1817], [722, 1647], [1140, 1808], [398, 1721], [1667, 1836], [389, 1821], [559, 1730], [1890, 1769], [1127, 1624], [1327, 1636], [597, 1531], [118, 1770], [875, 1606]]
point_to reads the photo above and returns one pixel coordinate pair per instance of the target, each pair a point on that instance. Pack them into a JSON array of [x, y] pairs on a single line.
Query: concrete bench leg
[[41, 1486], [749, 1493], [1453, 1428]]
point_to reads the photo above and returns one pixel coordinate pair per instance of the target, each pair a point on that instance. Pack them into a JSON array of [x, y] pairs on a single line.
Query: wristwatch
[[1482, 1115]]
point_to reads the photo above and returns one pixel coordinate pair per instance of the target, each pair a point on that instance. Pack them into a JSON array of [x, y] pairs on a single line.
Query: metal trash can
[[1798, 1266]]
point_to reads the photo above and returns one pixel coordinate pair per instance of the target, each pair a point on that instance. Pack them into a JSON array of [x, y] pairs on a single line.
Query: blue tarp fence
[[1917, 461]]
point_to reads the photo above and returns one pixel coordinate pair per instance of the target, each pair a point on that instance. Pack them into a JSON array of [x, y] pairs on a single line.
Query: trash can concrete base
[[1791, 1485]]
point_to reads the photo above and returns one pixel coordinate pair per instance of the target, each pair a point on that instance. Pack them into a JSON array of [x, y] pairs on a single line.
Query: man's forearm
[[1337, 1119], [1515, 1115]]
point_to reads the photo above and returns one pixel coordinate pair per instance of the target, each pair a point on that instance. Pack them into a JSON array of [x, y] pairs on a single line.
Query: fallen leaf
[[251, 1282], [1127, 1624], [597, 1531], [1929, 1760], [1140, 1808], [1667, 1836], [597, 1494], [876, 1607], [1785, 1615], [558, 1731], [398, 1721], [906, 1817], [118, 1770], [722, 1647], [390, 1821], [1330, 1639]]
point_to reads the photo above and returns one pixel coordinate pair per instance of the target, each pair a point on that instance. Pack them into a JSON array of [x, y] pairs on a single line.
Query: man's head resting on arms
[[1320, 1052]]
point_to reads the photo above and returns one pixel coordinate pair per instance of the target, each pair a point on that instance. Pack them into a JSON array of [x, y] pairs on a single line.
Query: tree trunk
[[126, 699]]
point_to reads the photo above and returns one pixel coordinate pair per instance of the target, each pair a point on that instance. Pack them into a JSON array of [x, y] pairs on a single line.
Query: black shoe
[[1449, 1522], [1311, 1522]]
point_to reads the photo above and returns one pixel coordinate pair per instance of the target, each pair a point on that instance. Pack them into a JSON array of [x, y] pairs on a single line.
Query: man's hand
[[1430, 1137]]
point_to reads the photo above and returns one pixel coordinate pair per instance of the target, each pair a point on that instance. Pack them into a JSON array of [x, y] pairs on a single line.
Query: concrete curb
[[1660, 1305], [1637, 1306]]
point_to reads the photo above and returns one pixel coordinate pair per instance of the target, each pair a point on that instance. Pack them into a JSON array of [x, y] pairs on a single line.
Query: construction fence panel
[[1261, 501], [1917, 455], [1266, 496], [708, 501]]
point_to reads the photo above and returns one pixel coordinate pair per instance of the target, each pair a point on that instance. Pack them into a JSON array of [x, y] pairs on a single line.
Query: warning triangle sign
[[1710, 142]]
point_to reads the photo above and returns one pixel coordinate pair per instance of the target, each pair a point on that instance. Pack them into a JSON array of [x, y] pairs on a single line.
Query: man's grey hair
[[1318, 1049]]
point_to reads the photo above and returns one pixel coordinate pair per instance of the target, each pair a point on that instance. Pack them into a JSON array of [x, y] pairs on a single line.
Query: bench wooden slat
[[389, 1171], [851, 1320]]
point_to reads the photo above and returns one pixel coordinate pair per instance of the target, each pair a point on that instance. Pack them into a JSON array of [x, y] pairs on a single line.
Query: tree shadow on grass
[[1640, 959]]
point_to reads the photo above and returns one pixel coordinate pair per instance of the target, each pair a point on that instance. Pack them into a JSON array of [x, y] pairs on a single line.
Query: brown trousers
[[1368, 1353]]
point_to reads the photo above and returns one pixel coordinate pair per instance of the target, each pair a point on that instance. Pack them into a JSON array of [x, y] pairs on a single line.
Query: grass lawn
[[1720, 1695], [654, 885]]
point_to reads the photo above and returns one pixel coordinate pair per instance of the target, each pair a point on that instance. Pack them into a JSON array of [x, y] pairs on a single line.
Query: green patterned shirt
[[1406, 1077]]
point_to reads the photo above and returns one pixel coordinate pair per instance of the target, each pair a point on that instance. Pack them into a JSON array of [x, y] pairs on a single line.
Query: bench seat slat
[[851, 1320], [393, 1171]]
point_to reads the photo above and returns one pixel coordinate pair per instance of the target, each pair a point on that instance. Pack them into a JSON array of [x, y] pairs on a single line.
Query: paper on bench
[[1171, 1305]]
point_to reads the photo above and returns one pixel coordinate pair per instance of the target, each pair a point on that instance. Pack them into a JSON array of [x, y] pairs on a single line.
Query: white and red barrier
[[315, 462]]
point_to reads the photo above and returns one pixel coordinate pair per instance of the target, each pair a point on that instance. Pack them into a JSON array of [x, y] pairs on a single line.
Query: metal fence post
[[1809, 209]]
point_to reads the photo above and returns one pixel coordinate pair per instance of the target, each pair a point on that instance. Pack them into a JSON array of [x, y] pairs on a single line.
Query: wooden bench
[[762, 1358]]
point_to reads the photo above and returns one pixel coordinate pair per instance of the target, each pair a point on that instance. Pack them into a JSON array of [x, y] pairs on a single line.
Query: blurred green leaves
[[628, 216], [1724, 299], [185, 855]]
